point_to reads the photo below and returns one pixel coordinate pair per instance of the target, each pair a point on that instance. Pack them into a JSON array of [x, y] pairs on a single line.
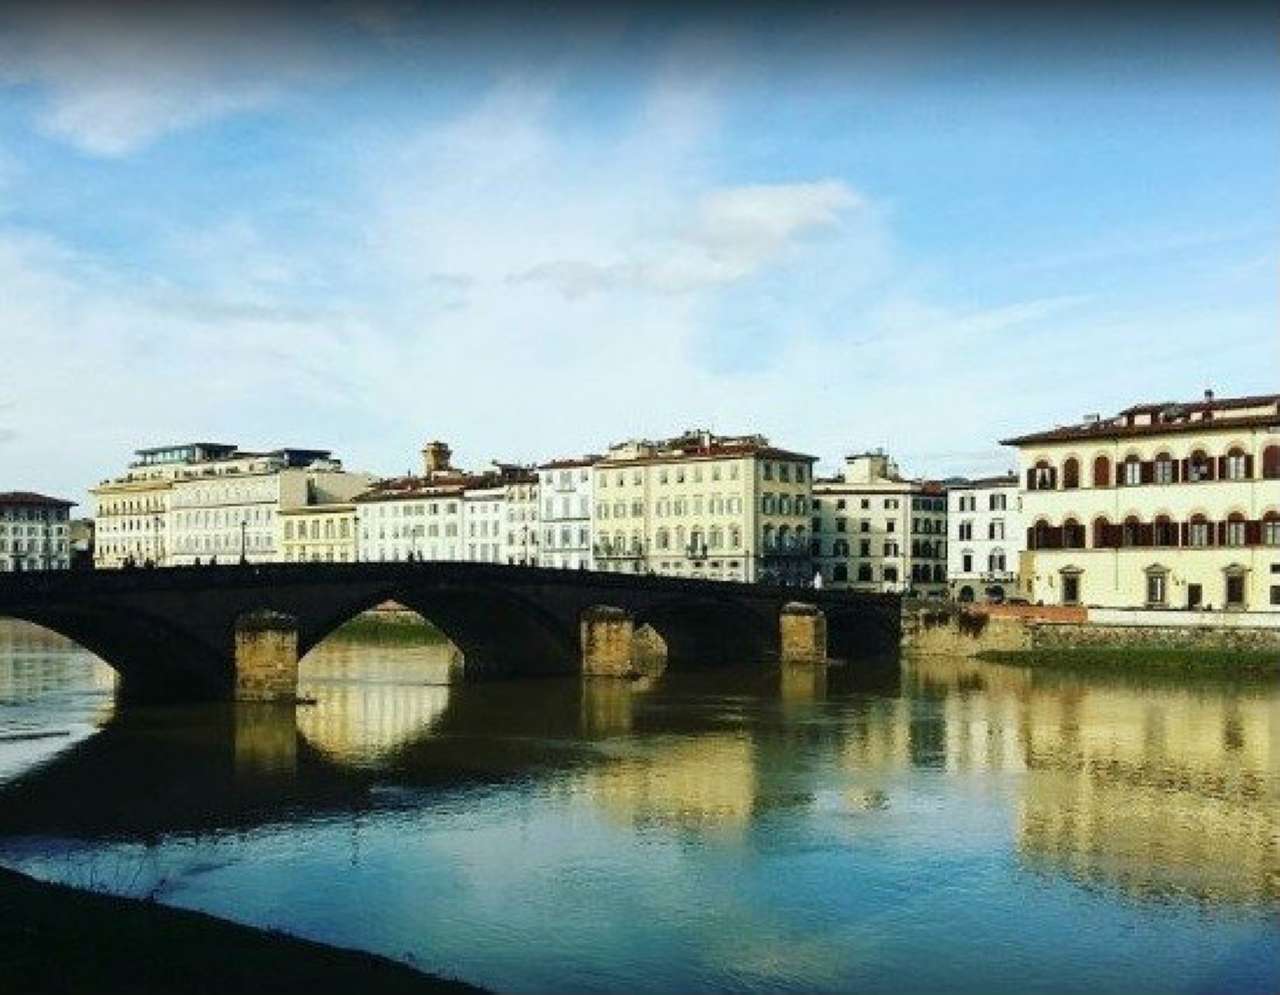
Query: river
[[942, 825]]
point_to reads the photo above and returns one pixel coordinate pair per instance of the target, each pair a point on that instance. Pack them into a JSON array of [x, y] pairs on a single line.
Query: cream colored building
[[702, 505], [877, 531], [520, 509], [318, 533], [1169, 505], [564, 489], [131, 511], [227, 510]]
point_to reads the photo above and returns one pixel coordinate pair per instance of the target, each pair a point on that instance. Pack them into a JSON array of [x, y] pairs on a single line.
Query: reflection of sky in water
[[978, 829]]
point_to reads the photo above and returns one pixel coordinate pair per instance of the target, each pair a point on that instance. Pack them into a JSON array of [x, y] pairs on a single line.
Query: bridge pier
[[266, 653], [802, 634], [614, 646]]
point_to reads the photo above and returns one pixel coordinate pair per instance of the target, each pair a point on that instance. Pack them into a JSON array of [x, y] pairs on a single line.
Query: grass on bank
[[1171, 659], [57, 939], [400, 630]]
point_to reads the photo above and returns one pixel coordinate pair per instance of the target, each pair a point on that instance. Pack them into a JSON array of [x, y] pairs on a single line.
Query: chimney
[[435, 458], [1208, 395]]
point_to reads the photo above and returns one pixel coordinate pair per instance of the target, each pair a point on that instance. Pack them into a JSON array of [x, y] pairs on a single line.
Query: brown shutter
[[1148, 472], [1053, 478], [1031, 479], [1222, 533], [1031, 538], [1111, 537], [1184, 531], [1146, 535], [1222, 468], [1253, 533], [1248, 467], [1177, 470]]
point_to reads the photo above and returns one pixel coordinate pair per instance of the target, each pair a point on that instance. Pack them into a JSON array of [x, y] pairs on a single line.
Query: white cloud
[[116, 77]]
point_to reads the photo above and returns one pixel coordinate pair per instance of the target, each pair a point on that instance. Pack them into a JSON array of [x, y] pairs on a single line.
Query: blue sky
[[360, 226]]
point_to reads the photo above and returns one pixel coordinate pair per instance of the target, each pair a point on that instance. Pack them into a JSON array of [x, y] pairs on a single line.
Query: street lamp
[[244, 541]]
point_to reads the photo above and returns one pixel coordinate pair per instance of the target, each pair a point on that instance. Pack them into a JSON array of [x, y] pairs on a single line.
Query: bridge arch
[[156, 660], [703, 631], [861, 629], [499, 631]]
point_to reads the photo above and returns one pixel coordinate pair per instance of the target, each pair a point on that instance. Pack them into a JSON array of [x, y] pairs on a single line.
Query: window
[[966, 530], [1164, 532], [1271, 529], [1072, 534], [890, 575], [995, 529], [1131, 472], [1198, 531], [1070, 478], [1101, 471], [1199, 467], [1041, 477], [1235, 530], [996, 561], [1235, 590], [1156, 587], [966, 562], [864, 572], [1271, 463], [1237, 464], [1129, 531], [1101, 533], [1070, 588], [864, 547], [997, 502], [1164, 469]]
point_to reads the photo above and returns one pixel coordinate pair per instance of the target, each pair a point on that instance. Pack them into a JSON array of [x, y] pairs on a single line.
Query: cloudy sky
[[358, 226]]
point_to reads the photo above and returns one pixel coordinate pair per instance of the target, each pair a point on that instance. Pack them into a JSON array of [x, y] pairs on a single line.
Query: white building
[[985, 538], [483, 514], [877, 531], [520, 539], [226, 509], [34, 532], [565, 491], [411, 518]]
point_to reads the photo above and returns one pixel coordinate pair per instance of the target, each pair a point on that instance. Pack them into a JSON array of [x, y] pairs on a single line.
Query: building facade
[[702, 505], [985, 538], [565, 493], [35, 532], [876, 531], [318, 533], [1167, 505]]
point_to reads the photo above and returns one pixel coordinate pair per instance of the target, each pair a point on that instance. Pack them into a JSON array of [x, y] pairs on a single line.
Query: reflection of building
[[34, 532], [702, 505], [1165, 792], [984, 539], [1167, 505], [370, 700], [565, 489], [878, 531]]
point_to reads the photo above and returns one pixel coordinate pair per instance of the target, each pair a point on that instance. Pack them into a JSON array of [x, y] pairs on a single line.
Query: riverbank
[[400, 627], [58, 939], [1241, 663]]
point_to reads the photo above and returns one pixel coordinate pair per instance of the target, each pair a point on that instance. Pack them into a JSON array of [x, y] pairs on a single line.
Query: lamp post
[[244, 538]]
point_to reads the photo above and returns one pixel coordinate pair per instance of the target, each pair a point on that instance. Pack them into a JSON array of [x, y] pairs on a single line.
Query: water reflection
[[718, 830]]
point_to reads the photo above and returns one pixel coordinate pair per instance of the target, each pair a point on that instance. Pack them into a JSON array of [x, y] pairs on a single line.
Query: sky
[[535, 231]]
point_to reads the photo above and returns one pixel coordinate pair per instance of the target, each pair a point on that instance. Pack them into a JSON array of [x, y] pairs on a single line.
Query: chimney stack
[[1208, 394]]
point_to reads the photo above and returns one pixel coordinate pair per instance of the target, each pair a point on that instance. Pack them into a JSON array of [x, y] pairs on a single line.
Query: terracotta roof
[[706, 453], [1119, 430], [570, 462], [1216, 404], [30, 497]]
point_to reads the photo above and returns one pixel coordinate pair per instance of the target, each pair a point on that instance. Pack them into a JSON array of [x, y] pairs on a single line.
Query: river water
[[940, 826]]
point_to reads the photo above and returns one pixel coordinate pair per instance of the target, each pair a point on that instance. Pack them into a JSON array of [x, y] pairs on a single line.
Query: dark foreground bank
[[57, 939]]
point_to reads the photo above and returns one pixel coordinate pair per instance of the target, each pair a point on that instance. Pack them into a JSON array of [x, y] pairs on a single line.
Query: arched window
[[1040, 477], [1101, 533], [1130, 471], [1101, 471], [716, 539], [1237, 464], [1199, 532], [784, 537], [1235, 529], [1164, 532], [1071, 474], [1271, 528], [767, 538], [1072, 535], [1199, 466], [663, 539], [840, 573], [1271, 463], [1040, 535], [966, 594], [1129, 531], [1165, 471]]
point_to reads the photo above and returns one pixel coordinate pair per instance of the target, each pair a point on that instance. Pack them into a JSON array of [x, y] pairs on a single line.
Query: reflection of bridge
[[219, 632]]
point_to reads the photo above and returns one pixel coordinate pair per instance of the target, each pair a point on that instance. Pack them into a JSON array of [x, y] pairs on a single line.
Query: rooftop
[[1165, 418], [31, 497]]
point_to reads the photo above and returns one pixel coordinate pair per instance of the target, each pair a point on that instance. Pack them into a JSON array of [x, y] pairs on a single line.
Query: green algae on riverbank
[[1242, 663]]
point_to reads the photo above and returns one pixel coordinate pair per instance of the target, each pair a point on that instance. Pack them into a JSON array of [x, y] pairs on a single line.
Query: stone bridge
[[238, 631]]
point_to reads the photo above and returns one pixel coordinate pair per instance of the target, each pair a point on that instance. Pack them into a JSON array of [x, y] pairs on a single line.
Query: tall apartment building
[[876, 531], [34, 532], [985, 538], [565, 492], [1165, 505], [702, 505]]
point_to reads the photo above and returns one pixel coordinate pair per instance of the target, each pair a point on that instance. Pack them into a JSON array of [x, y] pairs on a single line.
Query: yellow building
[[1163, 506], [702, 505], [318, 533]]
